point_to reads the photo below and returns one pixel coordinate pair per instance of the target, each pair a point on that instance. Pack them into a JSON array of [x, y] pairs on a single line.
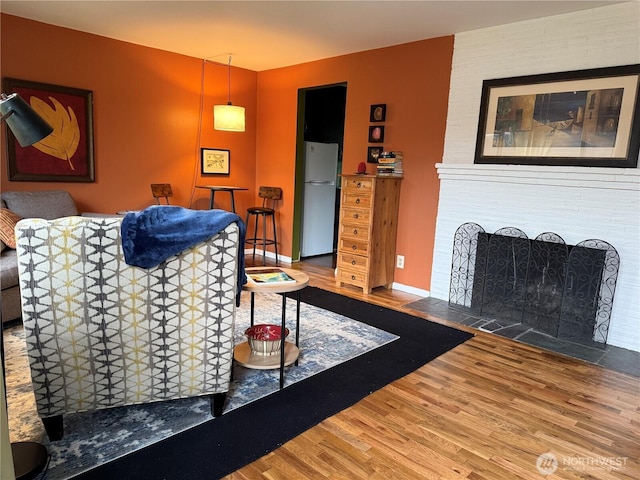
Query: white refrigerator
[[319, 205]]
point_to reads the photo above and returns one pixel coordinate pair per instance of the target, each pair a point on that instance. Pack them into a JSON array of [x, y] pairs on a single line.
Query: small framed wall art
[[376, 134], [378, 112], [373, 153], [215, 161]]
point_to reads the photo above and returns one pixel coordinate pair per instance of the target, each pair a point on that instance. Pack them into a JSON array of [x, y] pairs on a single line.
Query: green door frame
[[299, 179], [296, 240]]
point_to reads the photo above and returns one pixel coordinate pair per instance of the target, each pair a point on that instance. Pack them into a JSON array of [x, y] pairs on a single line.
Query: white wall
[[578, 203]]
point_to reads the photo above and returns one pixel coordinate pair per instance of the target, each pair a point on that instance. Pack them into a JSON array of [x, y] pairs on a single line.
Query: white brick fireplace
[[577, 203]]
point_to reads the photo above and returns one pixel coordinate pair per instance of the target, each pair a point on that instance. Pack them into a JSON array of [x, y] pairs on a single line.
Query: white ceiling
[[261, 35]]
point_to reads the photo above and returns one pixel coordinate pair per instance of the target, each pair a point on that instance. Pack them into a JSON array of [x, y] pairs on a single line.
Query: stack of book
[[390, 164]]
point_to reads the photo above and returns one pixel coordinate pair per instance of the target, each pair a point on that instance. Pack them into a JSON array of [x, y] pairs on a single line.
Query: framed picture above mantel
[[579, 118]]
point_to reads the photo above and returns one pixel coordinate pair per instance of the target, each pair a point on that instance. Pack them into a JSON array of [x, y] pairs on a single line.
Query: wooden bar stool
[[269, 195], [161, 190]]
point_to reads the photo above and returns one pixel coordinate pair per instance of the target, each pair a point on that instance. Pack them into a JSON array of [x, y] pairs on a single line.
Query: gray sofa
[[47, 204]]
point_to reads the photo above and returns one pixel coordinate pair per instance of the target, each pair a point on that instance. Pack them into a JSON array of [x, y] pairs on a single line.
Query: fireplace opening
[[565, 291]]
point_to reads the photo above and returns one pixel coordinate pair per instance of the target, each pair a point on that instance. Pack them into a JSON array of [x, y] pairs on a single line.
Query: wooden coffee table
[[288, 352]]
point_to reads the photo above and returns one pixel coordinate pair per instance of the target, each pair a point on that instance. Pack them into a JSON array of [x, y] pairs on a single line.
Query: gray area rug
[[326, 339]]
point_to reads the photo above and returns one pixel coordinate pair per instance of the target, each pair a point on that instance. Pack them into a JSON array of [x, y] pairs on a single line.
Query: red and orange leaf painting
[[64, 140]]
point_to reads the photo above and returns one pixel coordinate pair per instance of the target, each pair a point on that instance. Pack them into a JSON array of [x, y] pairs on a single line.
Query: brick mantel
[[591, 177]]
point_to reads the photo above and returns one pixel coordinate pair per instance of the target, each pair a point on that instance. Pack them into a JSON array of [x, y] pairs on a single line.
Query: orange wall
[[413, 81], [146, 117]]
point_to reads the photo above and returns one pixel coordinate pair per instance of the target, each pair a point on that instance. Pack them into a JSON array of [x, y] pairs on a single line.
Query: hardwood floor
[[487, 409]]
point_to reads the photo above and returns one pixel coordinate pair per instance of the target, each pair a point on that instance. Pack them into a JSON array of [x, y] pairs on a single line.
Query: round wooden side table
[[288, 352]]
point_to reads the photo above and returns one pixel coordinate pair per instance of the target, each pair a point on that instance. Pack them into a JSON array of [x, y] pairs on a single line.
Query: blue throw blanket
[[152, 235]]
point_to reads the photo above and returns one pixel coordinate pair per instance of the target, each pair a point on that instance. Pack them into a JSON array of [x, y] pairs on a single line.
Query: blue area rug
[[326, 340], [221, 446]]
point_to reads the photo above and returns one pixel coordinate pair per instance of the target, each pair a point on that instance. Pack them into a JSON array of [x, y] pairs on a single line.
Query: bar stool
[[269, 197], [161, 190]]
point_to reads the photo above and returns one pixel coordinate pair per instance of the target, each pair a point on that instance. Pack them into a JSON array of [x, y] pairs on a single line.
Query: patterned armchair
[[101, 333]]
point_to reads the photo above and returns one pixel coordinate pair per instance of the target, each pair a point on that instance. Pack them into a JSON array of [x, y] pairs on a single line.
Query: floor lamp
[[27, 459]]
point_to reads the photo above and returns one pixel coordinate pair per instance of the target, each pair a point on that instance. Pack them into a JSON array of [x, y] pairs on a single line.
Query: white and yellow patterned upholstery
[[101, 333]]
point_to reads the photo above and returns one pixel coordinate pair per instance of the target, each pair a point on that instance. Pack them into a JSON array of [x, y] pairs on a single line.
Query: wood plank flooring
[[487, 409]]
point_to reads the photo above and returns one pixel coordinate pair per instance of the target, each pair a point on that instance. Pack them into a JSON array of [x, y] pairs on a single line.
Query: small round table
[[288, 352], [221, 188]]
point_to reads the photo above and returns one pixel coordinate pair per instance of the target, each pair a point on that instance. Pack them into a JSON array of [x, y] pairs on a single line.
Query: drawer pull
[[355, 231], [359, 184], [353, 277], [355, 247], [353, 262], [357, 200], [355, 215]]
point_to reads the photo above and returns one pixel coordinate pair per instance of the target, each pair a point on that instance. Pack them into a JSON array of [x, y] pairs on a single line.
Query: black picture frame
[[67, 154], [215, 161], [577, 118], [376, 134], [373, 153], [378, 112]]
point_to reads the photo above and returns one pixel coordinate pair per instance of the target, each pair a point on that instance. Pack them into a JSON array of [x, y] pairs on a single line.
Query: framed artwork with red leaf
[[67, 154]]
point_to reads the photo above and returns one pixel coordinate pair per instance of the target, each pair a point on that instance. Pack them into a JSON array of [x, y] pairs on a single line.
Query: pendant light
[[228, 117]]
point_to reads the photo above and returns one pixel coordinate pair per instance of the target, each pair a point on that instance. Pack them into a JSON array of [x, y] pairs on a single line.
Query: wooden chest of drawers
[[367, 232]]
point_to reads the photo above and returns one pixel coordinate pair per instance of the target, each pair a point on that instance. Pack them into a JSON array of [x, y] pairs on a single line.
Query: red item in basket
[[265, 332]]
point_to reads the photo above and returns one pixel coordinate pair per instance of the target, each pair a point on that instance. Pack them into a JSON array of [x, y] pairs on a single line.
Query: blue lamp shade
[[228, 117], [26, 125]]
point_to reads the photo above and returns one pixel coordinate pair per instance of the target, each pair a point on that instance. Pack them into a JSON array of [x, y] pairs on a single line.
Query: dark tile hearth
[[611, 357]]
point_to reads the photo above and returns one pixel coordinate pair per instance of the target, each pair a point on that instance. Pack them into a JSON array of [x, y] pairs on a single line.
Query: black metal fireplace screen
[[565, 291]]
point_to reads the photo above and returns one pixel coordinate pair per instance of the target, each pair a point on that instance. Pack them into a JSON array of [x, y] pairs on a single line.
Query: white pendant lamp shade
[[229, 118]]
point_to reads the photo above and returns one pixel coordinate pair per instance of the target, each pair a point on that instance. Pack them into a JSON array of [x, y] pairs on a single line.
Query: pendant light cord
[[199, 134], [229, 83]]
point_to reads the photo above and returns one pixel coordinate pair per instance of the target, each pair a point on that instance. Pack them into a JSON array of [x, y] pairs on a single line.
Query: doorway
[[321, 114]]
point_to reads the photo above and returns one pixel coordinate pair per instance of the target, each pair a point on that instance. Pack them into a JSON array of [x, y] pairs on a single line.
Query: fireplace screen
[[565, 291]]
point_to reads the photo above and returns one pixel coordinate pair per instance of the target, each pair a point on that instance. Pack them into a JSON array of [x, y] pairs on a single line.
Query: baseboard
[[248, 252], [409, 289]]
